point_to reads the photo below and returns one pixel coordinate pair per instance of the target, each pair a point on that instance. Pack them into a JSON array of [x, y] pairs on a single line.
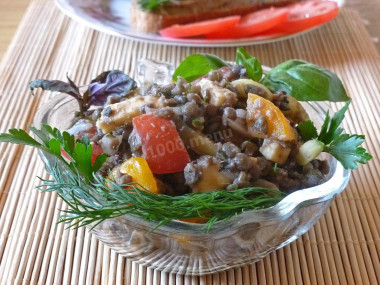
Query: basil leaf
[[254, 69], [242, 56], [59, 86], [305, 81], [109, 83], [197, 65], [56, 86], [251, 64]]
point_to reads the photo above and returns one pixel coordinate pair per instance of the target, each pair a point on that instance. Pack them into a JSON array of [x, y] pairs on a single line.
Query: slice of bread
[[187, 11]]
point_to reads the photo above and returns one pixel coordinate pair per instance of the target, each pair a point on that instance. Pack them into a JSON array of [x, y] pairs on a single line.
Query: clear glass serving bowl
[[186, 248]]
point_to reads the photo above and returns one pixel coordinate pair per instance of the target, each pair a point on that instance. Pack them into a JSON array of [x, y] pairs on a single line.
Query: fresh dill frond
[[90, 204]]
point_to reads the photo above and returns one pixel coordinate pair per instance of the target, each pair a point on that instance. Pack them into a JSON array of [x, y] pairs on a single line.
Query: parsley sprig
[[345, 148], [53, 142]]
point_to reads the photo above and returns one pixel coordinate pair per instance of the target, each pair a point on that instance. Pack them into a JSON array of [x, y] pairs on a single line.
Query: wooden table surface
[[11, 13]]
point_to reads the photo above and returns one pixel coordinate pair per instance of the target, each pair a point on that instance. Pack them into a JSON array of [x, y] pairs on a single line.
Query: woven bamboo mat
[[342, 248]]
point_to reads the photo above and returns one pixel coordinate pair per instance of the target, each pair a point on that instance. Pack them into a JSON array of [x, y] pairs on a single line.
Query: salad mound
[[218, 134], [223, 131]]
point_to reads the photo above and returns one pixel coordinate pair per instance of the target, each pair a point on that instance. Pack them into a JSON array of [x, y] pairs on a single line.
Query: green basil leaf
[[242, 56], [254, 69], [251, 64], [305, 81], [197, 65]]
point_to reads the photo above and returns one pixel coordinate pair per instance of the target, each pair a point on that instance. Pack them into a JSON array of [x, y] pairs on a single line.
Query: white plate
[[112, 17]]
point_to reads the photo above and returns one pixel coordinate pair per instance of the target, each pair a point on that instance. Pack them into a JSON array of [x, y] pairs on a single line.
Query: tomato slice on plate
[[308, 14], [199, 28], [253, 23]]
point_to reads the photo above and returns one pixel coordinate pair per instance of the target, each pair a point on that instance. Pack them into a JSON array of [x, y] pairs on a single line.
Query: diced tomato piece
[[79, 130], [65, 154], [200, 28], [96, 150], [253, 23], [308, 14], [162, 146]]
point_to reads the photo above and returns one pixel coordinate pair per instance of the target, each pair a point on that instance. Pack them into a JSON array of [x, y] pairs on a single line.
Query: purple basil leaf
[[57, 86], [110, 83]]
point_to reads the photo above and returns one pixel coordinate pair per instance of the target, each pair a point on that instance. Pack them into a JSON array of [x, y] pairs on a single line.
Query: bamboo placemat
[[342, 248]]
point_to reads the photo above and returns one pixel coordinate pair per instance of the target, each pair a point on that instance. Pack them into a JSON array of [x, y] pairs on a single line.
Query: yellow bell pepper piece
[[138, 169], [278, 125]]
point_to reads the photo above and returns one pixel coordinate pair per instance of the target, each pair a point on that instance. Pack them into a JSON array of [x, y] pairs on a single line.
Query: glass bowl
[[186, 248]]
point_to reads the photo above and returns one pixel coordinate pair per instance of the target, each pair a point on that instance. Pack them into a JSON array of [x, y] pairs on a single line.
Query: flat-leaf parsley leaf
[[345, 148]]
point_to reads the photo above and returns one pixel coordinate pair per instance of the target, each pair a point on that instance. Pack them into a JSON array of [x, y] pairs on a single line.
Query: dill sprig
[[90, 204]]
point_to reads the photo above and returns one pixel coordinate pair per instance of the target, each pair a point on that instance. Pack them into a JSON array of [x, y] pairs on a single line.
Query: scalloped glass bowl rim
[[285, 208]]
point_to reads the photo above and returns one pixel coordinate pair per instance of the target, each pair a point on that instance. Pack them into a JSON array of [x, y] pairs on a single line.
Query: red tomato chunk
[[96, 150], [162, 146]]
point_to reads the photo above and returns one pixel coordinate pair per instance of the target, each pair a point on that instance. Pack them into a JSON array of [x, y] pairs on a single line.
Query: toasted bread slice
[[187, 11]]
